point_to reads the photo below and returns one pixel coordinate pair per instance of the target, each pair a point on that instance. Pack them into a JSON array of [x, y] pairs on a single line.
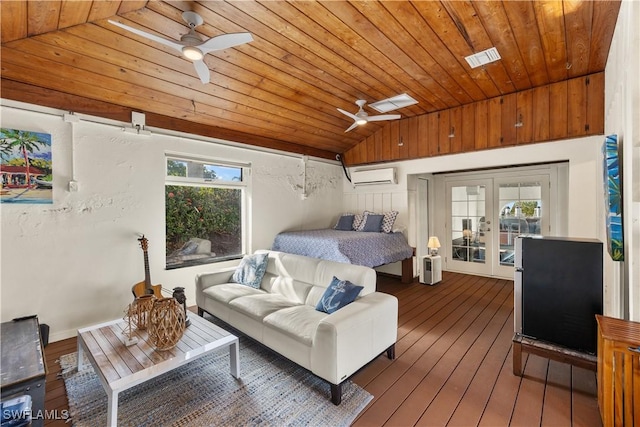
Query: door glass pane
[[468, 223], [520, 213]]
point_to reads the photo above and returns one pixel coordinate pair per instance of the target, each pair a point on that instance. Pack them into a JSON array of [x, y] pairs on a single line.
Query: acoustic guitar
[[146, 288]]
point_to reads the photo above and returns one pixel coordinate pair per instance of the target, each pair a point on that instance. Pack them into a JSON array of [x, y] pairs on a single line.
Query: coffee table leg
[[234, 358], [80, 353], [112, 409]]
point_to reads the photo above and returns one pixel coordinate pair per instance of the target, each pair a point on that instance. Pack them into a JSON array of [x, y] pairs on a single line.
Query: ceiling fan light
[[361, 122], [192, 53]]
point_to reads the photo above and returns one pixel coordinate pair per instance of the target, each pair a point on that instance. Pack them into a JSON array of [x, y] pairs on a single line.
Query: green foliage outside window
[[203, 212], [527, 208], [175, 168]]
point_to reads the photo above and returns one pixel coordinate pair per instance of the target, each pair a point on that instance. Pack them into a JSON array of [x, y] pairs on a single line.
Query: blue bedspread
[[353, 247]]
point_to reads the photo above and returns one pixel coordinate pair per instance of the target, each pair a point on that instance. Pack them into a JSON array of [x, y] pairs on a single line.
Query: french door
[[469, 244], [485, 215]]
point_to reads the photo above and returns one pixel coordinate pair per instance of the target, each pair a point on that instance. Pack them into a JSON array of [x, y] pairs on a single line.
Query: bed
[[353, 247]]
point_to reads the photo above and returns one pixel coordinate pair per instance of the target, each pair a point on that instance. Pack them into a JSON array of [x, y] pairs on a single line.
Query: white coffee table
[[120, 367]]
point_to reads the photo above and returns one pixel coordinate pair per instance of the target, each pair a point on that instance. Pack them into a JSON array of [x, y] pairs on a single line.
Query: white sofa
[[282, 314]]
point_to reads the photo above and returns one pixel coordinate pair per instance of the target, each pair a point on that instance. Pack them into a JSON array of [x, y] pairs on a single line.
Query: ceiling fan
[[361, 117], [191, 44]]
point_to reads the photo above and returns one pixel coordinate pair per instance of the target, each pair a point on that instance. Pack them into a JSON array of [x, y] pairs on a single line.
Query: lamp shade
[[433, 243]]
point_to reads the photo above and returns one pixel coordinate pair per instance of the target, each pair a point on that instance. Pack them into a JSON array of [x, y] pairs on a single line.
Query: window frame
[[243, 185]]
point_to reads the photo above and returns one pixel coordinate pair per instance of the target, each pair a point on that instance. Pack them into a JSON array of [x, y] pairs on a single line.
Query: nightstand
[[431, 272]]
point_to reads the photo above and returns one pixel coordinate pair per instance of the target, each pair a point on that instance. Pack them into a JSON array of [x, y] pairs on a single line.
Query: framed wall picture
[[26, 169], [612, 179]]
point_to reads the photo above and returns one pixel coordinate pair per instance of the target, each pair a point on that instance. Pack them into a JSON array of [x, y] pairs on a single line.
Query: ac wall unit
[[374, 176]]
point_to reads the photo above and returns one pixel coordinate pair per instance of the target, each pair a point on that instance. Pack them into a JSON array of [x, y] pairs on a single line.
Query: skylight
[[393, 103]]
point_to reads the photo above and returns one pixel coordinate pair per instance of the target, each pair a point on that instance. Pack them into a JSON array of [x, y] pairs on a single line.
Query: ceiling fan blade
[[203, 71], [383, 117], [225, 41], [353, 126], [149, 36], [348, 114]]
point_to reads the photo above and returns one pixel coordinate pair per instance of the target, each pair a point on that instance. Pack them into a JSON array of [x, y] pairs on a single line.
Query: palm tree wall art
[[25, 167]]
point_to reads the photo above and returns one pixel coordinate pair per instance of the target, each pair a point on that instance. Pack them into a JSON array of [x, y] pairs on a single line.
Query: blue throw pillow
[[338, 294], [373, 222], [251, 270], [345, 223]]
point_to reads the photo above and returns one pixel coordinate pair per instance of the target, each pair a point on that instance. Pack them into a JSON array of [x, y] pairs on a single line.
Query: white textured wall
[[622, 117], [73, 262], [584, 177], [382, 198]]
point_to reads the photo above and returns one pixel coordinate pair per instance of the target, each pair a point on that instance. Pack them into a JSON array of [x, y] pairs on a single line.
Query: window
[[204, 211]]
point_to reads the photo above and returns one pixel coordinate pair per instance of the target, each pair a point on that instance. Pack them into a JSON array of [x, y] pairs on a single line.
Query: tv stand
[[550, 351]]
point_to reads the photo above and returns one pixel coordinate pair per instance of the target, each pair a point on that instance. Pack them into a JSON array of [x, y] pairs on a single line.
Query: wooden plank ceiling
[[307, 59]]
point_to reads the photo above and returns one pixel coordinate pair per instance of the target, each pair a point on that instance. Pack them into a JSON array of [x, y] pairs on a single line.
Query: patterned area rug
[[271, 391]]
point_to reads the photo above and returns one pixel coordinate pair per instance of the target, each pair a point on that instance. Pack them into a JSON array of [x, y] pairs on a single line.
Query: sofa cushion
[[230, 291], [304, 279], [260, 305], [338, 294], [299, 322], [251, 270]]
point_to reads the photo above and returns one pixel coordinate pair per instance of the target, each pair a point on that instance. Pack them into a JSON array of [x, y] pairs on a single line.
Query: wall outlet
[[73, 186]]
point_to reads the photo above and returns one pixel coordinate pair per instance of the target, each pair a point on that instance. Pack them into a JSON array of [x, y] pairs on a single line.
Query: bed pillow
[[338, 294], [372, 222], [345, 222], [357, 221], [251, 270], [389, 220]]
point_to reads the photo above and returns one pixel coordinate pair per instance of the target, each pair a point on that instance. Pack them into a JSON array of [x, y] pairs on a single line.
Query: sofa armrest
[[212, 278], [351, 337]]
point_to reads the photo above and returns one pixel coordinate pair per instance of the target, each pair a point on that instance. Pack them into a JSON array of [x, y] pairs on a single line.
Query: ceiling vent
[[484, 57], [393, 103]]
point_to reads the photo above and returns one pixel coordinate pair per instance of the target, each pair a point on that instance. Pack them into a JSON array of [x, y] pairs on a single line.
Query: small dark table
[[22, 369]]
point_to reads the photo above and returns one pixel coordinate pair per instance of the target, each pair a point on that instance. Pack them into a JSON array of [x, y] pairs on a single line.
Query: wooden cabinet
[[540, 111], [468, 119], [494, 123], [444, 132], [567, 109], [618, 371], [432, 135], [558, 110], [481, 125], [524, 117], [423, 132], [509, 110]]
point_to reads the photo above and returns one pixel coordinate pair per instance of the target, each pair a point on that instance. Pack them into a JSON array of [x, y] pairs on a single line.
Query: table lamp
[[433, 245]]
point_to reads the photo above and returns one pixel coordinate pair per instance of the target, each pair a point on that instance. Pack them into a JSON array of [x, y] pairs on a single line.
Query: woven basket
[[166, 323], [141, 310]]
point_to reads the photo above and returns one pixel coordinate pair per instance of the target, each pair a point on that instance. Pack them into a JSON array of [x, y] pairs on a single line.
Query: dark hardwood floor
[[452, 367], [453, 364]]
